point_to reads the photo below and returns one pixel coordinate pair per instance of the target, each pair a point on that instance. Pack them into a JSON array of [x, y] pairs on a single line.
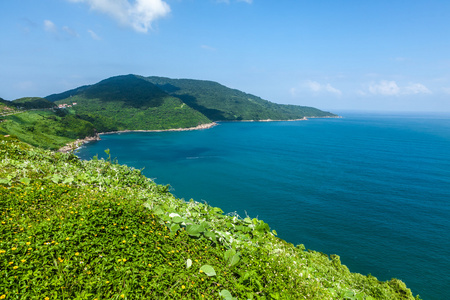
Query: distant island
[[133, 102]]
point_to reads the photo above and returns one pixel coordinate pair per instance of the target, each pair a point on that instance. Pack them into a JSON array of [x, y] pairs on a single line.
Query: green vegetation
[[220, 103], [136, 102], [132, 102], [32, 103], [129, 103], [47, 129], [73, 229]]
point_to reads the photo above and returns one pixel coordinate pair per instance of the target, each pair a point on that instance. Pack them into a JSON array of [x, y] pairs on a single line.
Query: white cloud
[[416, 88], [137, 14], [316, 87], [332, 90], [391, 88], [313, 85], [384, 87], [50, 26], [446, 90], [246, 1], [94, 35]]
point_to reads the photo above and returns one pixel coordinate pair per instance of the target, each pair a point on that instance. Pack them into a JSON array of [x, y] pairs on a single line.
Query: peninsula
[[133, 102]]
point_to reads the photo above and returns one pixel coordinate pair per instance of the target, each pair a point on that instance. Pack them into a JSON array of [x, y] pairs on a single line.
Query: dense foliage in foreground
[[73, 229]]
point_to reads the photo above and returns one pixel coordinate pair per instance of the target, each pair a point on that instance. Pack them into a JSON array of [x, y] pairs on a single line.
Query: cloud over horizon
[[316, 87], [391, 88], [138, 14]]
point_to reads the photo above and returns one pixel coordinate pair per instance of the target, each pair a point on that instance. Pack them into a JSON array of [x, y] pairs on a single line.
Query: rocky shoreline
[[199, 127], [78, 143]]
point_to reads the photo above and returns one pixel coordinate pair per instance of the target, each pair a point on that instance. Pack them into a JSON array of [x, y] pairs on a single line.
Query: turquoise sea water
[[372, 188]]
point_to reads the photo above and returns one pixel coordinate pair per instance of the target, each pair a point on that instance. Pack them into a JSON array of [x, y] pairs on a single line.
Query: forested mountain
[[136, 102], [132, 102], [129, 102], [220, 103]]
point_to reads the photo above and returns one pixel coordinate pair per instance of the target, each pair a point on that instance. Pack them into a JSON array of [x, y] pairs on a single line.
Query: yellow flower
[[122, 296], [13, 248], [46, 298], [124, 259], [11, 262], [3, 296], [201, 271], [28, 243], [183, 287], [15, 267], [77, 253], [124, 241], [67, 238], [23, 260], [149, 265]]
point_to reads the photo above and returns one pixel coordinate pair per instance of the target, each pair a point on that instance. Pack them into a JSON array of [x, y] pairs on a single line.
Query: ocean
[[372, 188]]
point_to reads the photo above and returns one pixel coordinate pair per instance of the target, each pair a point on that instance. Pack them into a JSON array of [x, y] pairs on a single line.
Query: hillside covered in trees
[[132, 102]]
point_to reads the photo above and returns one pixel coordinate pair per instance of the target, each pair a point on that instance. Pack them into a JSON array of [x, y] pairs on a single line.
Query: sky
[[384, 55]]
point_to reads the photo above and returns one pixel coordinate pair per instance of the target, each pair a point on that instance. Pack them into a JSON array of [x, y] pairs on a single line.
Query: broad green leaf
[[225, 294], [25, 180], [217, 210], [208, 270], [177, 219], [5, 181], [195, 230], [174, 228], [68, 180], [210, 235], [228, 254], [234, 260], [56, 178]]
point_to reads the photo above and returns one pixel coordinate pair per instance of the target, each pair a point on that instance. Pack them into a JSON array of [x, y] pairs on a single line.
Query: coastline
[[78, 143], [199, 127], [289, 120], [72, 146]]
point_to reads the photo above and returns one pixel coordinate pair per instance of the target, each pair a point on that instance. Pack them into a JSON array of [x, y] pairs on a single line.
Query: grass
[[72, 229], [46, 128]]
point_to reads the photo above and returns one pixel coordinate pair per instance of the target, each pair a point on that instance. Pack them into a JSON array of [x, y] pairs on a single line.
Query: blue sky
[[334, 55]]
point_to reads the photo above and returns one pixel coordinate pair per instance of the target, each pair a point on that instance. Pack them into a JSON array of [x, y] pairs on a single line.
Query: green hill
[[129, 103], [48, 129], [220, 103], [32, 103], [136, 102], [74, 229]]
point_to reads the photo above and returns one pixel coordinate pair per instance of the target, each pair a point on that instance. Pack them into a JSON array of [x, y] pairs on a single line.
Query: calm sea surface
[[372, 188]]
